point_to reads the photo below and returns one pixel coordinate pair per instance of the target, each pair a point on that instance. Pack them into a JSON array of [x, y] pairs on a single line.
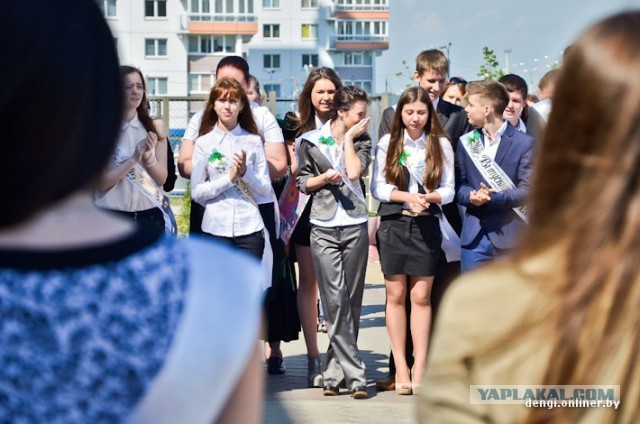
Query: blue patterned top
[[84, 332]]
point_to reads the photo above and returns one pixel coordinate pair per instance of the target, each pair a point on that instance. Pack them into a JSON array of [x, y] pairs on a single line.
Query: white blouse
[[124, 196], [267, 127], [416, 149], [229, 213]]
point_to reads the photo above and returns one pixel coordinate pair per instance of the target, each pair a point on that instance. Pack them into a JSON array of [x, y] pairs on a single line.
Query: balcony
[[361, 11], [360, 42], [219, 24]]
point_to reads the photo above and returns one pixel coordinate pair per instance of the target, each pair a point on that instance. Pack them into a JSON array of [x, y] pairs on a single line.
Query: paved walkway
[[287, 400]]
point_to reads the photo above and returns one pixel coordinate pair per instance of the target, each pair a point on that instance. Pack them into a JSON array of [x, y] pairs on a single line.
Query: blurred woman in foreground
[[564, 310], [102, 320]]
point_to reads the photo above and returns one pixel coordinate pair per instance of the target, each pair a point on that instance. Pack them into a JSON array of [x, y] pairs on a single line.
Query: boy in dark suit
[[493, 168]]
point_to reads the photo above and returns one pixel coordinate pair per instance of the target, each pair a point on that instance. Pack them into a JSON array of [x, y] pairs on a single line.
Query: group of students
[[234, 153], [103, 320]]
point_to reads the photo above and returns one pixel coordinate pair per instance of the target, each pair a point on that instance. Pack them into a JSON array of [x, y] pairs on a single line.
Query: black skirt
[[409, 245]]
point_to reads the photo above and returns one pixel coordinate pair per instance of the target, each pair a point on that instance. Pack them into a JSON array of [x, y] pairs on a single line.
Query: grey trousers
[[340, 259]]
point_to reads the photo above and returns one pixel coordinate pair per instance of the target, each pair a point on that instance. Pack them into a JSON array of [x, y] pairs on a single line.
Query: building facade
[[178, 43]]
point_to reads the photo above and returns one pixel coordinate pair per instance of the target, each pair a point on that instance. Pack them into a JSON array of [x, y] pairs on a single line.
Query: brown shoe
[[387, 384]]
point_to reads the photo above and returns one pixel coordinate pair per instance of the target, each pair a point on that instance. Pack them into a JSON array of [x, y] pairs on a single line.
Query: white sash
[[338, 165], [142, 181], [267, 252], [490, 170], [450, 245]]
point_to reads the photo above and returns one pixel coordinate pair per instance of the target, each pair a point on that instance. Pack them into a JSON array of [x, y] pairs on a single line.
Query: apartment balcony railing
[[359, 42], [218, 23], [361, 7], [219, 17]]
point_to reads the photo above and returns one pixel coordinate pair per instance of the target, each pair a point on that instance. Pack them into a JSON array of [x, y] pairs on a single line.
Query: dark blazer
[[453, 119], [312, 162], [496, 218]]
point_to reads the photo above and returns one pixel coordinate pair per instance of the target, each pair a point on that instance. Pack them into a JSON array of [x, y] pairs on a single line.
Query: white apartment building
[[178, 43]]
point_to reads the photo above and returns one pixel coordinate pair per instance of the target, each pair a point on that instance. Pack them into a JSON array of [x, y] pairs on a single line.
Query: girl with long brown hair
[[413, 172], [132, 185], [314, 109], [564, 309]]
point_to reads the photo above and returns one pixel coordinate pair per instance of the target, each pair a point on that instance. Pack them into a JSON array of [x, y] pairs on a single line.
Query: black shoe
[[275, 365], [359, 392], [330, 391]]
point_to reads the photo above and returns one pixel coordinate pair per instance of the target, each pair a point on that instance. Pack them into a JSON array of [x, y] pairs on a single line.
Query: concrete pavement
[[287, 400]]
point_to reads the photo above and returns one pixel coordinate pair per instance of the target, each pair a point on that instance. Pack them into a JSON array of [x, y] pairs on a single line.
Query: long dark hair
[[585, 199], [306, 121], [434, 131], [227, 88], [73, 69], [143, 109]]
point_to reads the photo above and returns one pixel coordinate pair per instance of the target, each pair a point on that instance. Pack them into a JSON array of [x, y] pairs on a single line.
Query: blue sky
[[536, 31]]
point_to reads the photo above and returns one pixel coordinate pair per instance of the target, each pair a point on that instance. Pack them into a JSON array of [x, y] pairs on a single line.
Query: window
[[208, 44], [309, 32], [155, 47], [362, 29], [356, 59], [270, 4], [200, 6], [155, 8], [309, 4], [157, 86], [310, 60], [268, 88], [108, 8], [271, 61], [200, 83], [223, 6], [245, 6], [365, 85], [271, 31]]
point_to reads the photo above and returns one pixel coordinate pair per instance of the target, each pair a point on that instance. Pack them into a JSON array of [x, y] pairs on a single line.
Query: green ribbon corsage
[[215, 156], [402, 159], [329, 141]]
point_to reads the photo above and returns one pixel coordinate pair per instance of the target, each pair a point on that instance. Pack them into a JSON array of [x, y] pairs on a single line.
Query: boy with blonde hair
[[493, 168]]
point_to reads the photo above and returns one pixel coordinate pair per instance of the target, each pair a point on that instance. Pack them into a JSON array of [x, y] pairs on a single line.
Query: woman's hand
[[141, 147], [332, 177], [417, 202], [240, 162], [150, 143], [358, 129]]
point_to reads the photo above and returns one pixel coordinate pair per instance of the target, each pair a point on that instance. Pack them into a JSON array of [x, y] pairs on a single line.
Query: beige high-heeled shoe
[[415, 387], [403, 388]]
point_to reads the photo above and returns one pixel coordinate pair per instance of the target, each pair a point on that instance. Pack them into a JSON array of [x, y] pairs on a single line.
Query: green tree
[[490, 70], [406, 72]]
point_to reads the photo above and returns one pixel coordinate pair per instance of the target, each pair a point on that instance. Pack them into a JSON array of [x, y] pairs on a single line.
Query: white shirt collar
[[420, 141], [499, 133], [435, 102], [135, 123]]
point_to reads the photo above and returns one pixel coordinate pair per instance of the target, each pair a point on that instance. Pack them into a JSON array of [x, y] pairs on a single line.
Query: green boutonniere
[[215, 156], [329, 141], [402, 159], [474, 138]]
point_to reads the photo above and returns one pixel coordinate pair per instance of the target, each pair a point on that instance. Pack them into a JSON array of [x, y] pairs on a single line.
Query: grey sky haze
[[536, 31]]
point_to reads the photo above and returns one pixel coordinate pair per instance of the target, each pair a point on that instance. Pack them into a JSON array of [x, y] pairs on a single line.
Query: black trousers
[[152, 218], [251, 243]]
